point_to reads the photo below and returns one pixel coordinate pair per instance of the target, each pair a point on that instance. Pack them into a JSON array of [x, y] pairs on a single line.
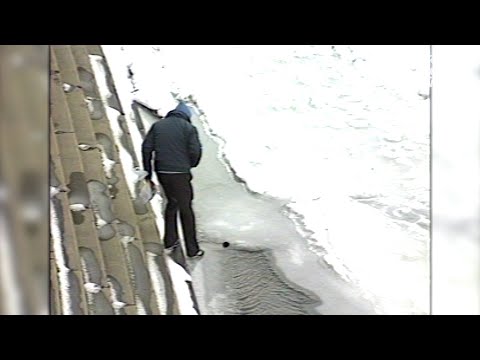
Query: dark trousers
[[179, 193]]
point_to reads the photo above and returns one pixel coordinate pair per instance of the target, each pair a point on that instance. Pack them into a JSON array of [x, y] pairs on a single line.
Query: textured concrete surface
[[106, 244]]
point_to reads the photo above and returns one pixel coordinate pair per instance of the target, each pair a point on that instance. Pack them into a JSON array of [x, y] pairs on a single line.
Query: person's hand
[[151, 183]]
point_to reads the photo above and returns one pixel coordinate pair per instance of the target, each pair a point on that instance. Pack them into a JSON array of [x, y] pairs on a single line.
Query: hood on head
[[182, 110]]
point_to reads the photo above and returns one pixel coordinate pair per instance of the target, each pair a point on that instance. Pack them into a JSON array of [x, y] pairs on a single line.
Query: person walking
[[176, 147]]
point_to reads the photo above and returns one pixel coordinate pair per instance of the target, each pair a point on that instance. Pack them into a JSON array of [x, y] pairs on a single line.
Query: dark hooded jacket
[[175, 142]]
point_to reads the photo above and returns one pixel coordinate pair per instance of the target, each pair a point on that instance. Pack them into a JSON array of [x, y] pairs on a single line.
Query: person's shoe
[[172, 248], [198, 254]]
